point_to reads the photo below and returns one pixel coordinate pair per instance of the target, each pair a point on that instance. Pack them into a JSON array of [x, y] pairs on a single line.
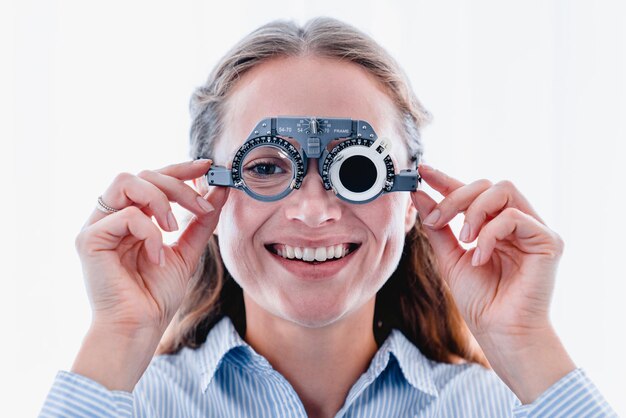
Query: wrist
[[529, 363], [126, 331], [115, 358]]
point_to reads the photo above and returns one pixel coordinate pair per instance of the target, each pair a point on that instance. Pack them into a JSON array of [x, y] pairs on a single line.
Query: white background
[[533, 92]]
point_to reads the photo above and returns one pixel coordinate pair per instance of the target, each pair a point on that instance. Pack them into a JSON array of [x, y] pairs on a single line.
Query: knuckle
[[122, 178], [83, 240], [560, 244], [484, 183], [511, 212], [144, 174], [506, 184], [79, 240]]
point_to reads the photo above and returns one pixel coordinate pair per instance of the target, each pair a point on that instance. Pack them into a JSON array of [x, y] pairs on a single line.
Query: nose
[[312, 204]]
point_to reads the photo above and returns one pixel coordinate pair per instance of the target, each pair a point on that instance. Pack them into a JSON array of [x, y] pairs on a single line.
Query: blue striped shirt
[[226, 377]]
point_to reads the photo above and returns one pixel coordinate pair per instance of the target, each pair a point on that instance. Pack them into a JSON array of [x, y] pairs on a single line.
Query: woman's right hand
[[130, 288]]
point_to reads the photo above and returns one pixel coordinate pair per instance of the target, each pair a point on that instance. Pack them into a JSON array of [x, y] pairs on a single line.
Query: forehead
[[303, 86]]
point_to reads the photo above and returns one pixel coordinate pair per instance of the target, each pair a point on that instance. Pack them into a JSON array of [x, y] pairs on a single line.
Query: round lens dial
[[268, 166]]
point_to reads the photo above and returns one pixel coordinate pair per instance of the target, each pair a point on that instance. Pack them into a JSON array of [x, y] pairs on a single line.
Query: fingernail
[[171, 221], [161, 258], [201, 161], [432, 218], [465, 232], [476, 257], [426, 167], [206, 206]]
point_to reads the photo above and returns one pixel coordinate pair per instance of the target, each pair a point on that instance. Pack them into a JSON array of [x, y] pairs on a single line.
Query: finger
[[523, 230], [183, 171], [455, 202], [439, 180], [194, 238], [443, 241], [130, 190], [177, 191], [107, 234], [502, 195], [187, 170]]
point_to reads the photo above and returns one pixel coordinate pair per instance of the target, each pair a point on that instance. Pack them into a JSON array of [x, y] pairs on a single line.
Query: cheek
[[385, 220], [385, 216], [240, 219]]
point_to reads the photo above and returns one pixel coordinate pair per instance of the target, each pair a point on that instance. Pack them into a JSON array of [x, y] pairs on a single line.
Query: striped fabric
[[225, 377]]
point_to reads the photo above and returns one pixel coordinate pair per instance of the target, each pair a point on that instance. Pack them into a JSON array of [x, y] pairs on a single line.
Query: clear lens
[[267, 170]]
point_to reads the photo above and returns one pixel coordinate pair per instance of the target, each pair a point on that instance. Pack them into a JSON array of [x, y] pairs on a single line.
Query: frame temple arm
[[406, 180]]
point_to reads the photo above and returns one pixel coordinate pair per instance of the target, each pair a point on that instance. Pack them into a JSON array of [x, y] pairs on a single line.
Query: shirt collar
[[223, 338], [416, 368]]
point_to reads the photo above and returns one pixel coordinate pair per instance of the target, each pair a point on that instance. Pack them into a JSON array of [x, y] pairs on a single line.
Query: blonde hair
[[414, 299]]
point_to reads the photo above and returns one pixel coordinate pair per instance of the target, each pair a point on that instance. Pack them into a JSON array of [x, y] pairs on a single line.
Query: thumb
[[194, 238], [444, 243]]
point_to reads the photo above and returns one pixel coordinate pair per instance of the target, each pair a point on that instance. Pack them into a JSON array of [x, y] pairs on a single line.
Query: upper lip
[[313, 243]]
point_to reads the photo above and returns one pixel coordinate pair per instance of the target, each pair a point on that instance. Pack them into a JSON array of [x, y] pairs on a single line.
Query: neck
[[321, 364]]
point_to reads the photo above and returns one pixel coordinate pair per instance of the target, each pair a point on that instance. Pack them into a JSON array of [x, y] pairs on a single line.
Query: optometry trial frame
[[353, 161]]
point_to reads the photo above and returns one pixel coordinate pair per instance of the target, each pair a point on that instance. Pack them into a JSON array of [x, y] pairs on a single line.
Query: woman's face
[[312, 295]]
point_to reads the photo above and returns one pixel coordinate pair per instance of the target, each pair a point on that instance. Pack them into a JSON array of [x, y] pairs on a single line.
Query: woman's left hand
[[503, 286]]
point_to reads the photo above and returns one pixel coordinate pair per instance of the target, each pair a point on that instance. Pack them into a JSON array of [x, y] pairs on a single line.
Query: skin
[[308, 330], [504, 285], [318, 334]]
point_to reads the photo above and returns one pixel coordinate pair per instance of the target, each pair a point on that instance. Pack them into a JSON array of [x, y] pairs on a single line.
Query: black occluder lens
[[357, 173]]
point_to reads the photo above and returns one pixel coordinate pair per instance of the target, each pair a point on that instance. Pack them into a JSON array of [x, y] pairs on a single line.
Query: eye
[[264, 168]]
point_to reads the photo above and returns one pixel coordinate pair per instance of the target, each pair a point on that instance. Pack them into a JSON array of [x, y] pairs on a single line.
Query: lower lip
[[308, 271]]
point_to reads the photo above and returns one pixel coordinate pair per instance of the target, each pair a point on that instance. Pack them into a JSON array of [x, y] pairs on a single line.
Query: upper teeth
[[310, 254]]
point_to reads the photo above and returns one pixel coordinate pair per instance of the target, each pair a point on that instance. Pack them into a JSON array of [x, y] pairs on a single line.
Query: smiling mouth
[[349, 249]]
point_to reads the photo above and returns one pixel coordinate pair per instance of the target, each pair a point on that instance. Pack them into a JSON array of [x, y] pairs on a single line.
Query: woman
[[391, 332]]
